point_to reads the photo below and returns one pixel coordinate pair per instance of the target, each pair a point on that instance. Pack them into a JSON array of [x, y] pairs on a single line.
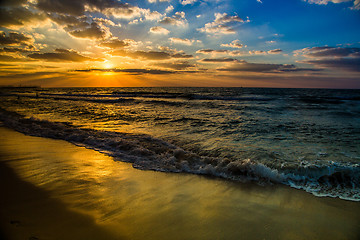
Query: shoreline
[[52, 187]]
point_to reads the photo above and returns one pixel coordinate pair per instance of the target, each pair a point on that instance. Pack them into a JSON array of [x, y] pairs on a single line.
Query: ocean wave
[[149, 153], [157, 95]]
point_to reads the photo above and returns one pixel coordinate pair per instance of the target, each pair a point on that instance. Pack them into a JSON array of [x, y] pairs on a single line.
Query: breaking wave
[[149, 153]]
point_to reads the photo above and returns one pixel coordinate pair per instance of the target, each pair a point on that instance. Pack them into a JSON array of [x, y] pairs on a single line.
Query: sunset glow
[[249, 43]]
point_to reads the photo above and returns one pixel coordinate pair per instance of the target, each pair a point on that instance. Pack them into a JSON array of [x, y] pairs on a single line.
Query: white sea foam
[[149, 153]]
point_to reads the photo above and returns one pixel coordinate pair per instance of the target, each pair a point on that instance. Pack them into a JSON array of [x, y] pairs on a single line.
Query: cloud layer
[[344, 58]]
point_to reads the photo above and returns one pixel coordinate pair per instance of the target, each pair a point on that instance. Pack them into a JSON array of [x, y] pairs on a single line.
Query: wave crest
[[149, 153]]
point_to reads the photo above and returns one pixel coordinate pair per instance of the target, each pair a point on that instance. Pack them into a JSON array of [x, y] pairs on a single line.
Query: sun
[[108, 65]]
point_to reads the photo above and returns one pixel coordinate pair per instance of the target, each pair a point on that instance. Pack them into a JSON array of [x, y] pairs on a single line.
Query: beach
[[55, 190]]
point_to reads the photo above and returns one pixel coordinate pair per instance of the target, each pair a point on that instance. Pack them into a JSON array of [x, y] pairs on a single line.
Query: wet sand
[[51, 189]]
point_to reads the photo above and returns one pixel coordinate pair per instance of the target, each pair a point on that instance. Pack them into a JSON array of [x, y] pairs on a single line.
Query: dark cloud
[[94, 31], [61, 55], [70, 22], [71, 15], [348, 64], [11, 3], [168, 20], [7, 58], [18, 50], [18, 16], [181, 55], [148, 71], [134, 71], [218, 60], [151, 55], [343, 58], [114, 43], [29, 75], [221, 52], [327, 52], [243, 66], [177, 19], [207, 51], [80, 27], [275, 51], [62, 6], [14, 38], [7, 65], [179, 65], [78, 7]]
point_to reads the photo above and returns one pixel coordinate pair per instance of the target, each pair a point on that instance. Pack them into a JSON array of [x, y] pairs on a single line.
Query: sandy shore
[[51, 189], [28, 212]]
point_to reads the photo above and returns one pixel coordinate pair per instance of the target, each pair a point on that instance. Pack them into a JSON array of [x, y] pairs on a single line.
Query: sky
[[180, 43]]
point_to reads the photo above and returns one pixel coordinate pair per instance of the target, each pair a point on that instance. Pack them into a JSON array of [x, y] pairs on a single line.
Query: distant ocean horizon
[[304, 138]]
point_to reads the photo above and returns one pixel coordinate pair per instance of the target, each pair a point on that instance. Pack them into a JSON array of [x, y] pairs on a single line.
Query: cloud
[[211, 51], [7, 58], [134, 71], [106, 22], [62, 55], [30, 75], [218, 60], [343, 58], [113, 8], [18, 50], [18, 16], [347, 64], [220, 52], [184, 41], [93, 31], [331, 52], [116, 43], [78, 7], [181, 55], [170, 8], [257, 52], [150, 55], [233, 44], [356, 3], [68, 21], [154, 1], [177, 65], [185, 2], [12, 3], [244, 66], [149, 15], [178, 19], [222, 18], [159, 30], [14, 38], [275, 51], [261, 52], [223, 24], [81, 28]]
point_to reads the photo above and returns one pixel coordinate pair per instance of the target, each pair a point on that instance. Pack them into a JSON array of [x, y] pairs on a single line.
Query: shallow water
[[304, 138], [138, 204]]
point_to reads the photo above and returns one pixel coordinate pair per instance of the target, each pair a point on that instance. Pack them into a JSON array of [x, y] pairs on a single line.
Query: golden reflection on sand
[[153, 205]]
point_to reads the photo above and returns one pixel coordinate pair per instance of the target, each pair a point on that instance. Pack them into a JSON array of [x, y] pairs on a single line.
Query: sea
[[307, 139]]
